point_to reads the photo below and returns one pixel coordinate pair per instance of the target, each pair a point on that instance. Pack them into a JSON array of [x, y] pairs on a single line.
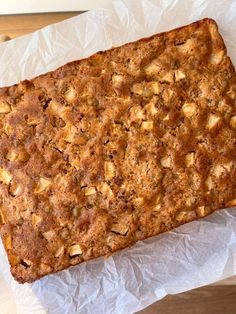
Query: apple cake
[[121, 146]]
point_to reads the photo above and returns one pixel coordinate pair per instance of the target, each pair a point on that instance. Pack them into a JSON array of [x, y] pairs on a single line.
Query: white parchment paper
[[196, 254]]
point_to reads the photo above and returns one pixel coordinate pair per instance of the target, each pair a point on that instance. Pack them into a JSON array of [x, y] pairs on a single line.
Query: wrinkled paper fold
[[194, 255]]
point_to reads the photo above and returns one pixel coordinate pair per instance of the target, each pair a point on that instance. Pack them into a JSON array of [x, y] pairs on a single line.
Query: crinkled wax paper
[[196, 254]]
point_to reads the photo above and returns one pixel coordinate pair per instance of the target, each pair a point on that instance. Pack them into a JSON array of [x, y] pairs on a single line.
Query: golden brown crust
[[115, 148]]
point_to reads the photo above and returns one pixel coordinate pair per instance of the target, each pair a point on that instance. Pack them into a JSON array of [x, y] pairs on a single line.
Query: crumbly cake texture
[[116, 148]]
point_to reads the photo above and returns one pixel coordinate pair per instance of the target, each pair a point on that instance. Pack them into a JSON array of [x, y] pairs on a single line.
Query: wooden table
[[17, 25], [208, 298]]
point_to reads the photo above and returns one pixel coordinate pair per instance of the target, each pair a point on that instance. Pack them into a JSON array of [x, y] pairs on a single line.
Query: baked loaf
[[116, 148]]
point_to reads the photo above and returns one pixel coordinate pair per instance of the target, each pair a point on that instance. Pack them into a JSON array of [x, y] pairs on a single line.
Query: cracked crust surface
[[112, 149]]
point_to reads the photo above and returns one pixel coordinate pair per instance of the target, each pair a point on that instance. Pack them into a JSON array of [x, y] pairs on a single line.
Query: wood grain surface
[[17, 25], [206, 300], [216, 299]]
